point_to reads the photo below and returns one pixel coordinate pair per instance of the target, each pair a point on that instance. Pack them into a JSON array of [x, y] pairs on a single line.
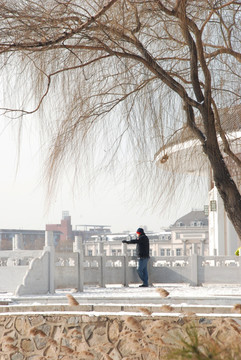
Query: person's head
[[139, 232]]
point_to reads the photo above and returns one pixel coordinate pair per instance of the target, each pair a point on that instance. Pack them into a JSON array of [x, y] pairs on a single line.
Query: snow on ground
[[133, 291], [222, 296], [175, 290]]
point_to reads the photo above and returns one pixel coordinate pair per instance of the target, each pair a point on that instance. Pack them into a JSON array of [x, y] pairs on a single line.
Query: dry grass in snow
[[162, 292], [72, 301]]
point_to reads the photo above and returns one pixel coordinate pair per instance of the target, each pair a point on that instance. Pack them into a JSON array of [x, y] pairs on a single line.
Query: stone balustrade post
[[125, 263], [102, 262], [49, 247], [124, 249], [194, 270], [78, 248]]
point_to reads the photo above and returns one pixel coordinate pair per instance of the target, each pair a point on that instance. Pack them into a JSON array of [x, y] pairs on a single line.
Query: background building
[[64, 234], [30, 239], [190, 234], [187, 235]]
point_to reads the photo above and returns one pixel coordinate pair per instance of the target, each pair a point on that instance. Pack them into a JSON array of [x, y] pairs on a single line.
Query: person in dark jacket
[[142, 251]]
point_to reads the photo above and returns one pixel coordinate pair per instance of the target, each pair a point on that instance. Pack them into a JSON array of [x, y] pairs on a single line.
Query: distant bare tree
[[120, 69]]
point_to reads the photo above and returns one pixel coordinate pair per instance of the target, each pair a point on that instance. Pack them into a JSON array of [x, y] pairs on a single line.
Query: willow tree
[[122, 68]]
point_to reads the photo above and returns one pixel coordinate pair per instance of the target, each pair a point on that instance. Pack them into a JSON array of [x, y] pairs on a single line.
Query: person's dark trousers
[[142, 270]]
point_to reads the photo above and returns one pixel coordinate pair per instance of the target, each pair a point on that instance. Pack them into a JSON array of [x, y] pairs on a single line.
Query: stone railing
[[14, 264], [42, 272]]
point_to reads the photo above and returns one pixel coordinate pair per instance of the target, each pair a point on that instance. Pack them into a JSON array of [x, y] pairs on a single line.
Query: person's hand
[[124, 241]]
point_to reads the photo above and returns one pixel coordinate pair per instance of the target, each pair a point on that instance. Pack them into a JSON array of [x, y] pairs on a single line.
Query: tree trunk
[[226, 186], [227, 190]]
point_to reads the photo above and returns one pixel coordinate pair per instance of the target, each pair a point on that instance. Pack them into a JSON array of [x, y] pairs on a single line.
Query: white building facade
[[190, 234], [223, 239]]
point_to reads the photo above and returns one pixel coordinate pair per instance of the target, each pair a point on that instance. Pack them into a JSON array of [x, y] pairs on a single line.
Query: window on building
[[177, 235], [168, 252], [162, 252], [118, 252], [150, 252], [178, 252], [134, 253], [113, 252], [90, 253], [128, 252]]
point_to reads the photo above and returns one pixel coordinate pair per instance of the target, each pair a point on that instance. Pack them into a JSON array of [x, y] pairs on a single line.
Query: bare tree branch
[[130, 70]]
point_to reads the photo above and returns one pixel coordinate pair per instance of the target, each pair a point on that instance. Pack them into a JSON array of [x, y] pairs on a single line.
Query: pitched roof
[[194, 215]]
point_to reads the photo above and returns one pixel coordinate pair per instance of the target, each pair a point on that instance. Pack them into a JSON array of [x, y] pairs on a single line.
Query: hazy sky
[[23, 193]]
